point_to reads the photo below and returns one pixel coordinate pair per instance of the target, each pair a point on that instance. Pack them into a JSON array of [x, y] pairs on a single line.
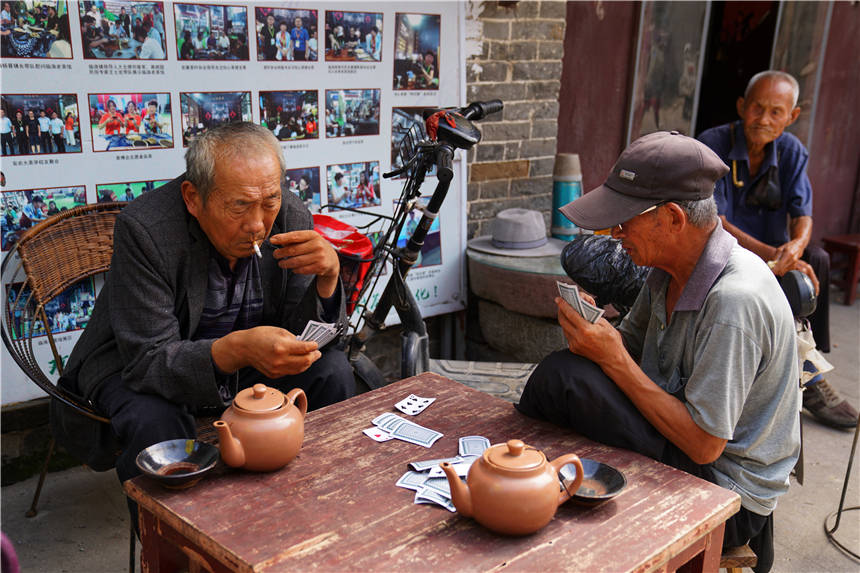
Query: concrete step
[[502, 379]]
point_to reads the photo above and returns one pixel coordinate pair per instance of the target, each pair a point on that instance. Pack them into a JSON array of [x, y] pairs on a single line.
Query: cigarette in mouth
[[257, 250]]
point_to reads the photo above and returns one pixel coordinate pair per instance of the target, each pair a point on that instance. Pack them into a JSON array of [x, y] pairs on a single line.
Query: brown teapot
[[263, 429], [511, 488]]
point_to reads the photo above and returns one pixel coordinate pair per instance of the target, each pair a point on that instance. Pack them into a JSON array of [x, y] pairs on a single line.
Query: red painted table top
[[336, 507]]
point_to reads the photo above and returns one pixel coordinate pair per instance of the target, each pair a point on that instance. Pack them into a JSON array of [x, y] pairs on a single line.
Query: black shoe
[[825, 403]]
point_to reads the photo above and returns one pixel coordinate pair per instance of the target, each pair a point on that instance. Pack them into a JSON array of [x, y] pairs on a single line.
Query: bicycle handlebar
[[478, 110]]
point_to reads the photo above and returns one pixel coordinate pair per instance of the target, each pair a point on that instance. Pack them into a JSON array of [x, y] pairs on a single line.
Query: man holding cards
[[188, 315], [702, 373]]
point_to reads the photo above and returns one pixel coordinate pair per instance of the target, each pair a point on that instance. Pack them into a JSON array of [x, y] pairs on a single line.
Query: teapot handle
[[557, 464], [298, 395]]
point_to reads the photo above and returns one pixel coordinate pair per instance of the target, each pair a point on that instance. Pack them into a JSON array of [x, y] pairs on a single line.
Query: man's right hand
[[274, 351]]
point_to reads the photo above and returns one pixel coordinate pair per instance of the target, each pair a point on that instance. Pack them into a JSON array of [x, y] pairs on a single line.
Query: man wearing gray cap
[[702, 373]]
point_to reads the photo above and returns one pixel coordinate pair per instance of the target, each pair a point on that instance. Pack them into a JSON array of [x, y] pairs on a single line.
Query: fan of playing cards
[[570, 294], [320, 332]]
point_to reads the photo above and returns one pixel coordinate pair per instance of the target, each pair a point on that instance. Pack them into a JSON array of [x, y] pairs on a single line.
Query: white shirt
[[57, 125], [151, 49], [5, 125]]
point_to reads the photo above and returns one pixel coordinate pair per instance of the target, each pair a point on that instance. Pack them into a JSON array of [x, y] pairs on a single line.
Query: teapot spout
[[232, 451], [460, 494]]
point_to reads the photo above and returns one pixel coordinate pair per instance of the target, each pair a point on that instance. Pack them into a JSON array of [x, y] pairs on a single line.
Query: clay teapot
[[512, 488], [263, 429]]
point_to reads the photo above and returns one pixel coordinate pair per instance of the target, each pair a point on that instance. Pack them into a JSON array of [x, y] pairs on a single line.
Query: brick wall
[[515, 54]]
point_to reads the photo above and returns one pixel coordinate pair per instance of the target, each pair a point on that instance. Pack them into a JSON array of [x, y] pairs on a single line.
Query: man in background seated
[[188, 316], [702, 373], [765, 201]]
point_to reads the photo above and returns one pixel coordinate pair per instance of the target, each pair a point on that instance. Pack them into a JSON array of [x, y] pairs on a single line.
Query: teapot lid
[[259, 398], [515, 455]]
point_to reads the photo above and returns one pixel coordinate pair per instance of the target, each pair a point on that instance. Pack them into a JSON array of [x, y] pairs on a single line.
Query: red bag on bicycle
[[354, 250]]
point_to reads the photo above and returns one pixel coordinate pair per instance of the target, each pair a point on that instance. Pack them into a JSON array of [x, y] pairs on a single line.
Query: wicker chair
[[48, 258]]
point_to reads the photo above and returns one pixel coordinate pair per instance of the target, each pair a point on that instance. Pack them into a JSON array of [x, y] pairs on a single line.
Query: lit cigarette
[[257, 250]]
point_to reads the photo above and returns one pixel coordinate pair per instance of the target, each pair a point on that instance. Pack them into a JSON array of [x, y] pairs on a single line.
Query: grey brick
[[484, 209], [495, 72], [543, 90], [506, 131], [512, 150], [547, 109], [496, 30], [507, 91], [513, 51], [553, 9], [531, 186], [472, 229], [473, 191], [490, 152], [521, 110], [538, 29], [544, 128], [473, 73], [541, 166], [536, 70], [495, 189], [538, 148], [550, 50]]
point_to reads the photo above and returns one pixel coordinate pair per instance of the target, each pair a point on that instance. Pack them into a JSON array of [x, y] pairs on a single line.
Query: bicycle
[[422, 148]]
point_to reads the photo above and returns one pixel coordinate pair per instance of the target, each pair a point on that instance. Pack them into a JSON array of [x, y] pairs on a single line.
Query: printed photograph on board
[[431, 251], [416, 51], [351, 112], [68, 311], [131, 121], [108, 192], [305, 183], [123, 30], [291, 115], [202, 110], [211, 32], [39, 124], [353, 36], [406, 122], [353, 185], [23, 209], [35, 29], [286, 35]]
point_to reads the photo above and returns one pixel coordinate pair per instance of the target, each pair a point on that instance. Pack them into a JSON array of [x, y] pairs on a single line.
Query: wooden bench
[[844, 253], [734, 559]]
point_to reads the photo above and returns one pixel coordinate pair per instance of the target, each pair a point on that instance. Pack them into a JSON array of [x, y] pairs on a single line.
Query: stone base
[[502, 379], [526, 338]]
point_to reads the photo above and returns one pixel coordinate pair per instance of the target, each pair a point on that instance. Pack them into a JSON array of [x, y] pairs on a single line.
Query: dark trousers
[[23, 145], [45, 139], [141, 420], [571, 391], [819, 321], [7, 143], [59, 142]]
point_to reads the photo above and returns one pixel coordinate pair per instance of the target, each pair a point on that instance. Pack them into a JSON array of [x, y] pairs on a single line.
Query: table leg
[[164, 550], [702, 556]]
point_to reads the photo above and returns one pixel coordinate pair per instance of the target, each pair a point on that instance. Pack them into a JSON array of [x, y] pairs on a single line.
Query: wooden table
[[336, 507]]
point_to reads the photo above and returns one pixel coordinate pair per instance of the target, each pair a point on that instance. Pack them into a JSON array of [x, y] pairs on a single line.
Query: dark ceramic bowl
[[178, 463], [600, 481]]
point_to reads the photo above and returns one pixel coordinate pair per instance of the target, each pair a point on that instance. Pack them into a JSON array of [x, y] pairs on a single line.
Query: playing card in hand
[[413, 404], [320, 332]]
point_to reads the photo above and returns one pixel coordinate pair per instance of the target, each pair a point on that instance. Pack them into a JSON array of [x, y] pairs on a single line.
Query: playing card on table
[[377, 421], [427, 495], [413, 404], [462, 469], [473, 445], [415, 434], [438, 484], [425, 465], [377, 435], [412, 480]]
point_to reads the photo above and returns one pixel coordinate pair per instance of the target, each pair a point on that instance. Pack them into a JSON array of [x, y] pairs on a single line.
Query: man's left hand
[[787, 256], [308, 253]]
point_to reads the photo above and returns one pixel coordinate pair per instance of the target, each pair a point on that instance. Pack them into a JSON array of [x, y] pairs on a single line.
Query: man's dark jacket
[[152, 299]]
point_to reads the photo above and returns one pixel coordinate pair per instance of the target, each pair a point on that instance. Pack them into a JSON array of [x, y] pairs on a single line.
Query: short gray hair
[[222, 143], [777, 75], [701, 213]]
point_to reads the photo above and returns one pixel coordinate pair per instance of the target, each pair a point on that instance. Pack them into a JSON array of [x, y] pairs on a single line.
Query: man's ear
[[678, 216], [192, 198], [740, 106], [795, 113]]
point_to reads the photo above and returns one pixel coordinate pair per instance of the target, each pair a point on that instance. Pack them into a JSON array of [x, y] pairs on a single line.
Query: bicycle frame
[[449, 130]]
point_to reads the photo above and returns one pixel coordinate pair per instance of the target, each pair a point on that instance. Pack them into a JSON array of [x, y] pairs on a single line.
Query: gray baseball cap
[[658, 167]]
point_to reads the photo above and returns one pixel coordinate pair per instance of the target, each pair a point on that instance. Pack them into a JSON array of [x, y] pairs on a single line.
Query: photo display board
[[101, 98]]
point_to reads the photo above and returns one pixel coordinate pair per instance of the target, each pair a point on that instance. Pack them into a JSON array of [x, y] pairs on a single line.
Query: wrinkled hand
[[806, 269], [308, 253], [599, 342], [786, 256], [276, 352]]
